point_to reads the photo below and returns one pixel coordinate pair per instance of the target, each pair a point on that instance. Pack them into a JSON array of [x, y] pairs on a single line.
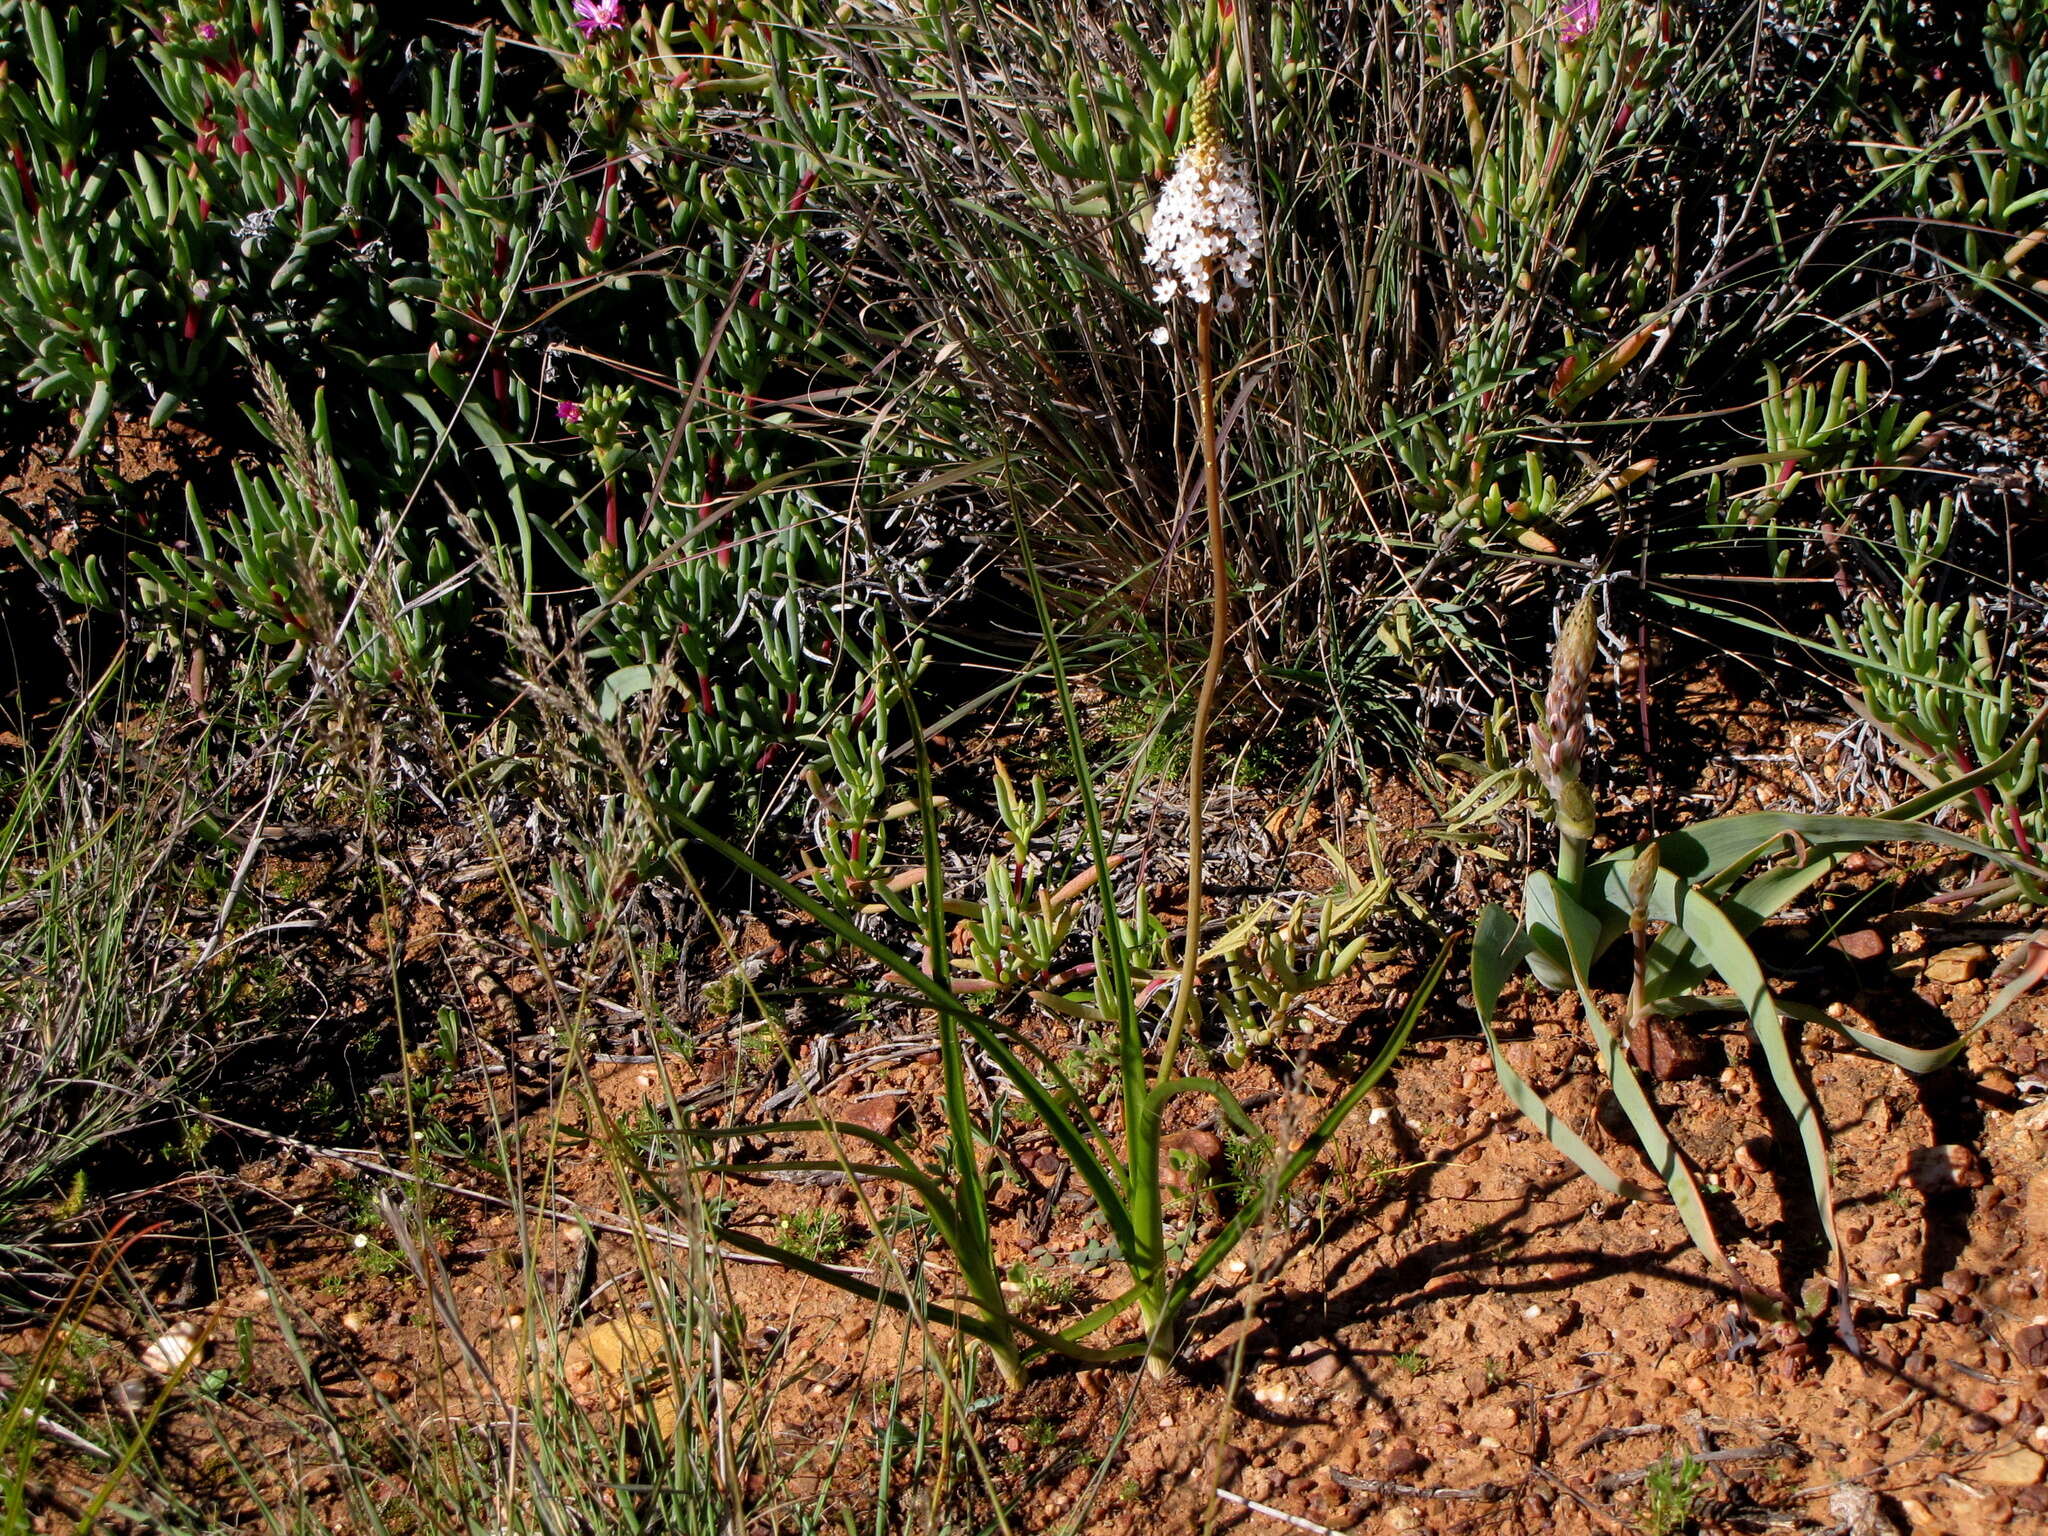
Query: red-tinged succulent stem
[[600, 226], [25, 174], [1988, 809], [358, 118]]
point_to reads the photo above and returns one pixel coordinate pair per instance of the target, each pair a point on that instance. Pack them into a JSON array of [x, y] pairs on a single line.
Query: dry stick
[[1271, 1513], [561, 1210], [1212, 671], [1483, 1493]]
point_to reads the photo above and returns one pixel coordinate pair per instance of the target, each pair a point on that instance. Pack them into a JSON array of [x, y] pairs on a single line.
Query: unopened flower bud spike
[[1558, 744]]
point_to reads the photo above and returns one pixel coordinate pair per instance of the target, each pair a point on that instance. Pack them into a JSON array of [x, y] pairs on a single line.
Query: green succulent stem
[[1575, 827]]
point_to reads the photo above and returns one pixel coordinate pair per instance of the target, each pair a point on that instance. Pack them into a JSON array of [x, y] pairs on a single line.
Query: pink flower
[[1575, 18], [208, 32], [568, 413], [595, 16]]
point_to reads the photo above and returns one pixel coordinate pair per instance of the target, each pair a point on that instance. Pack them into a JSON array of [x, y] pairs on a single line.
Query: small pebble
[[174, 1349]]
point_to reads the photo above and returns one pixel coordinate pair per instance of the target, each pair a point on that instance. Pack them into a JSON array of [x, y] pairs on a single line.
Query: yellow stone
[[2016, 1468]]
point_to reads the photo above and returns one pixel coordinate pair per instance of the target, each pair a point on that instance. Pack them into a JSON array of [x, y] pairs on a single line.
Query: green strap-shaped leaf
[[996, 1335], [1674, 964], [1733, 961], [1580, 933], [1706, 853], [1498, 946], [1675, 900], [1911, 1058], [1714, 854], [1915, 1059]]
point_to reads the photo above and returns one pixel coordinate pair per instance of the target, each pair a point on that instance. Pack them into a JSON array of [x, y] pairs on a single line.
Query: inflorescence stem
[[1212, 672]]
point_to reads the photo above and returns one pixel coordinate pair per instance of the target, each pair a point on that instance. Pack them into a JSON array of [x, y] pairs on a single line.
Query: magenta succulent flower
[[568, 413], [595, 16], [1575, 18]]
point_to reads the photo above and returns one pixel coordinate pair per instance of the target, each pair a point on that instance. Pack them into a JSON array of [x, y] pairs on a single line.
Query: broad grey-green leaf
[[1580, 930], [1498, 946]]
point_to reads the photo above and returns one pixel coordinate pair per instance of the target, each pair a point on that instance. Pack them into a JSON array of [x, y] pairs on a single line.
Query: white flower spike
[[1206, 224]]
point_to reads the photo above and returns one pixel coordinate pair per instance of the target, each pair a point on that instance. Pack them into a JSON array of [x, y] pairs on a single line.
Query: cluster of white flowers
[[1206, 223]]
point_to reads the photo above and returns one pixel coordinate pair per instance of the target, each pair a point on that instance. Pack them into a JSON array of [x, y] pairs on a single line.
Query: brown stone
[[1862, 944], [1958, 964], [1401, 1457], [1454, 1184], [878, 1114], [1666, 1050], [1188, 1159], [2030, 1346]]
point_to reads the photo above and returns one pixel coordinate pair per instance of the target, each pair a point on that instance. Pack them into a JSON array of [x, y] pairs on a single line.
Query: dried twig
[[1482, 1493], [1300, 1523], [1618, 1432], [560, 1210]]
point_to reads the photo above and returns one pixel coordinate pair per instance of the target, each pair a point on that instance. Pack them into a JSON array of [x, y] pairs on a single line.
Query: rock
[[1401, 1457], [1188, 1159], [1455, 1184], [1937, 1170], [2030, 1346], [2016, 1468], [1855, 1510], [1863, 944], [1959, 964], [878, 1114], [173, 1350], [134, 1394], [1324, 1368], [1667, 1051]]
